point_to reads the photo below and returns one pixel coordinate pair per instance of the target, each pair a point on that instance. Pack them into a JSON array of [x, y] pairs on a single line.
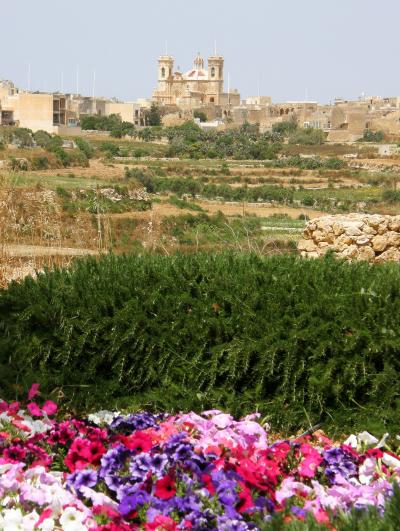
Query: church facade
[[198, 86]]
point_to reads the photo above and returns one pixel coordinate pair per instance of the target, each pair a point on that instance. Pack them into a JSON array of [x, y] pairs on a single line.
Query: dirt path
[[42, 250]]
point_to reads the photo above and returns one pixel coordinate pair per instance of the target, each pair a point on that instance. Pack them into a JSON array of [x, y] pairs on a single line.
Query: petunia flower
[[34, 409], [50, 407], [33, 391]]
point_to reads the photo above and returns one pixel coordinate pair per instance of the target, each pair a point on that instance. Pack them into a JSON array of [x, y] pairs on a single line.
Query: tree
[[85, 147], [200, 115], [284, 128], [154, 115], [373, 136]]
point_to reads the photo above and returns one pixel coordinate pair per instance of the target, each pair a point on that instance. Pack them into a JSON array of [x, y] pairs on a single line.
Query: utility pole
[[77, 79]]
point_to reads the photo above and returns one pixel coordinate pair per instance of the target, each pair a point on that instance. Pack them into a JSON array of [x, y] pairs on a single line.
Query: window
[[162, 72], [212, 100], [213, 71]]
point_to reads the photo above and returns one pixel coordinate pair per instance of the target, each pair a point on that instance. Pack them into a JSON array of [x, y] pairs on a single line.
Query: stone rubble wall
[[373, 238]]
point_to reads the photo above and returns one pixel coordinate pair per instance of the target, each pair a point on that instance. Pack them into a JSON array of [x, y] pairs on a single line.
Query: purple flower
[[82, 478], [113, 460], [226, 523], [339, 464], [227, 493], [298, 511], [130, 503], [135, 422]]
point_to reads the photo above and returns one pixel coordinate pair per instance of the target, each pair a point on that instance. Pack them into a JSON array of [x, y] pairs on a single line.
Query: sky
[[287, 49]]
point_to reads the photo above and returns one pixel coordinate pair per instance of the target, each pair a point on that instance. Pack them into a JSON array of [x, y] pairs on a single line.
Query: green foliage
[[312, 163], [173, 200], [95, 201], [110, 148], [192, 187], [372, 136], [42, 138], [62, 156], [190, 141], [55, 143], [391, 196], [282, 335], [146, 134], [153, 116], [40, 163], [285, 128], [308, 137], [18, 164], [85, 147], [22, 137], [200, 115]]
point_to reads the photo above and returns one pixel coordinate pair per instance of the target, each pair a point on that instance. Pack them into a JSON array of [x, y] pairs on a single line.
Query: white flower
[[389, 460], [382, 442], [103, 417], [12, 520], [351, 441], [366, 471], [47, 525], [367, 438], [71, 519], [29, 521]]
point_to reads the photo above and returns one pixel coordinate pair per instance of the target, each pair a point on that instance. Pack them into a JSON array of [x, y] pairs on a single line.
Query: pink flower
[[50, 407], [33, 391], [34, 409]]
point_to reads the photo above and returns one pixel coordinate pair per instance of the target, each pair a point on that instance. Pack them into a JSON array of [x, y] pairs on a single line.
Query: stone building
[[197, 86]]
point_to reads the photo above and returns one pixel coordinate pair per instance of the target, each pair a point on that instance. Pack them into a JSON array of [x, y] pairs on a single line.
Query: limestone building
[[197, 86]]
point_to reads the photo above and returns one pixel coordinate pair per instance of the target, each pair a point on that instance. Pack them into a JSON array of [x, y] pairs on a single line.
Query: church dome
[[195, 75]]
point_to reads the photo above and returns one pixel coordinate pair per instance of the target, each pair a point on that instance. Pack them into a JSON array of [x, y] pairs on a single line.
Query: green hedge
[[301, 341]]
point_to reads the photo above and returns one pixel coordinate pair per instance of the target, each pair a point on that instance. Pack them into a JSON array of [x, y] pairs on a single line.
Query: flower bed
[[142, 471]]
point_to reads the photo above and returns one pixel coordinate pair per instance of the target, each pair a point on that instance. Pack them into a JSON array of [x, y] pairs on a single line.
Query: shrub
[[200, 115], [307, 136], [293, 338], [22, 137], [373, 136], [85, 147], [110, 148], [18, 164], [284, 128], [62, 156], [42, 138], [40, 163], [391, 196]]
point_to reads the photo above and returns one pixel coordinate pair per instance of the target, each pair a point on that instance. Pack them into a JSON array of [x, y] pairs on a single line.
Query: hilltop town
[[200, 91]]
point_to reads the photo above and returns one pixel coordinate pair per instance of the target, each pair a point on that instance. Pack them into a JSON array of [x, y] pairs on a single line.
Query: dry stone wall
[[373, 238]]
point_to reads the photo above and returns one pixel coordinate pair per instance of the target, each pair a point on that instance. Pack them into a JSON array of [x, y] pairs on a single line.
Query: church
[[197, 86]]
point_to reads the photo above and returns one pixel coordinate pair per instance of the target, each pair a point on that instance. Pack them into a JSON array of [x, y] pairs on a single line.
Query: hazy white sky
[[292, 49]]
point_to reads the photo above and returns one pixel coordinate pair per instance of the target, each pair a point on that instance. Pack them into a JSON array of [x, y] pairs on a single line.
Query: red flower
[[374, 452], [139, 442], [50, 407], [47, 513], [245, 500], [161, 523], [209, 485], [34, 409], [165, 489], [82, 453]]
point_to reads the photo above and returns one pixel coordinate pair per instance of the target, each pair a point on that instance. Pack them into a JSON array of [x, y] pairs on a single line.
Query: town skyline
[[314, 53]]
